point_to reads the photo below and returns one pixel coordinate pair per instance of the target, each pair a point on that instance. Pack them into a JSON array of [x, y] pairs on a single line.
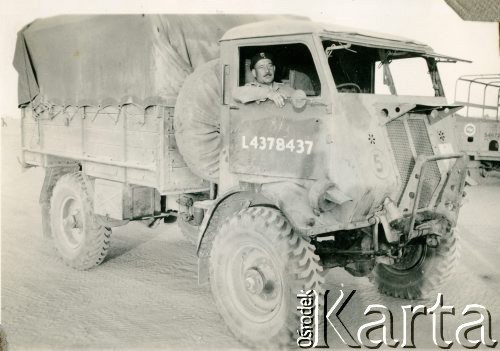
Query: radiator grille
[[402, 153], [400, 142], [431, 175]]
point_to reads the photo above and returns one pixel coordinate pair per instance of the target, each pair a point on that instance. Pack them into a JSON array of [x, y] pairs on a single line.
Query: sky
[[428, 21]]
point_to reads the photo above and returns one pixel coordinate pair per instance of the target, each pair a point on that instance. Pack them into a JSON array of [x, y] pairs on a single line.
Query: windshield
[[368, 70]]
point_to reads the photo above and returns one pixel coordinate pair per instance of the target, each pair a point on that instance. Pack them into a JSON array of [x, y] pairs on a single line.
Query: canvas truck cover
[[114, 59]]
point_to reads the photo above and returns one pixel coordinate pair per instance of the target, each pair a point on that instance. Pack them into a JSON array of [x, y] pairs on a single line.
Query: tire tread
[[305, 270]]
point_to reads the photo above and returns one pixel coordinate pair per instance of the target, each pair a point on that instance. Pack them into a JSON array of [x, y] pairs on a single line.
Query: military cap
[[260, 56]]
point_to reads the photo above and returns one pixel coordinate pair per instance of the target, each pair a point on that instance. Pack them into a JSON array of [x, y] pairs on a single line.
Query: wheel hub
[[72, 223], [254, 281], [257, 285]]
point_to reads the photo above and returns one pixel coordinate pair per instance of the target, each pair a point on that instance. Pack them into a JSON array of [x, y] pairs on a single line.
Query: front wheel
[[421, 270], [79, 238], [258, 265]]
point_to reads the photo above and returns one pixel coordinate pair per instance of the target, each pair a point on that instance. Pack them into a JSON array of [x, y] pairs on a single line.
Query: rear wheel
[[421, 270], [258, 265], [79, 238]]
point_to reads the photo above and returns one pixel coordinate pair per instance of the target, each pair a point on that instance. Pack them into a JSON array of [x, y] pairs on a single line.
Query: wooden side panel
[[52, 132], [128, 144]]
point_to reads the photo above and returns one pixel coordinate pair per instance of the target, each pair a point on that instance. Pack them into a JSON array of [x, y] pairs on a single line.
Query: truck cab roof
[[272, 28], [285, 27]]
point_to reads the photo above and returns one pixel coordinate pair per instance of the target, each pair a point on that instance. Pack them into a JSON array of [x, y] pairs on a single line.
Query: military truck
[[132, 118], [478, 123]]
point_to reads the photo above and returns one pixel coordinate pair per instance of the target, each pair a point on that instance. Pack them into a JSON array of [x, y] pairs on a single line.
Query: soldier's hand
[[278, 99]]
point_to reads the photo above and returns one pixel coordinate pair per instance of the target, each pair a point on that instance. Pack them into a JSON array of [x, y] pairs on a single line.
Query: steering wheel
[[353, 85]]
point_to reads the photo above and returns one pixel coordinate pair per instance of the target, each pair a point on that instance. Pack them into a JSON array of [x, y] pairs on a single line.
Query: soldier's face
[[264, 71]]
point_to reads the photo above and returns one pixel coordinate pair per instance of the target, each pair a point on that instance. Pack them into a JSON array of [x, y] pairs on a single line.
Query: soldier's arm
[[249, 93]]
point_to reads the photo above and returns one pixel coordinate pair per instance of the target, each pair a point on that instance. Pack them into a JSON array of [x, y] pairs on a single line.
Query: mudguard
[[289, 197], [225, 206]]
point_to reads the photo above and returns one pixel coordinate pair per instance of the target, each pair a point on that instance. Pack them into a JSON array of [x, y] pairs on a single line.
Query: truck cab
[[371, 105], [359, 169]]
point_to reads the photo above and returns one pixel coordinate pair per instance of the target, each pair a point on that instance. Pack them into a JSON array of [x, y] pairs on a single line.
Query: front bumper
[[439, 216]]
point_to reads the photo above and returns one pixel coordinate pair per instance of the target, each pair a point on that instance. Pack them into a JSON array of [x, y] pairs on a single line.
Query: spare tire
[[197, 121]]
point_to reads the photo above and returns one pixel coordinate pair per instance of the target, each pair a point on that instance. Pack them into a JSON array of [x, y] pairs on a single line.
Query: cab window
[[294, 66]]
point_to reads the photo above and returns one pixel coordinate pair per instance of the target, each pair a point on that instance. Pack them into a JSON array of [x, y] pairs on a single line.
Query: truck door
[[284, 142]]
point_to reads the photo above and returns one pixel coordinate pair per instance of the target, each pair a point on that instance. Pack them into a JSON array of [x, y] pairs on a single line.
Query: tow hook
[[432, 240]]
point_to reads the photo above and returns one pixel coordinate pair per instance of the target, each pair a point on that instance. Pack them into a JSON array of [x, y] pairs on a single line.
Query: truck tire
[[197, 121], [423, 269], [258, 265], [79, 239], [51, 176]]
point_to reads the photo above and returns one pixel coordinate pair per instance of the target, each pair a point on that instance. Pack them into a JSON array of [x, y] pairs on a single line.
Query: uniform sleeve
[[249, 93]]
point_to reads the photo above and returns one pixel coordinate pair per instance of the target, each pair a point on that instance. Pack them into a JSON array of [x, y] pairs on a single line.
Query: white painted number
[[262, 143], [309, 146], [279, 144], [254, 142], [271, 142], [300, 147]]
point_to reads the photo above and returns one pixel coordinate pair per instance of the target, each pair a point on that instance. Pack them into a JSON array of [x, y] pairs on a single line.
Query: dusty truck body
[[354, 171], [478, 122]]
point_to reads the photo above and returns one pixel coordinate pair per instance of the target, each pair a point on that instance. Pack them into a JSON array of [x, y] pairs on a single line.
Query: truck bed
[[128, 144]]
